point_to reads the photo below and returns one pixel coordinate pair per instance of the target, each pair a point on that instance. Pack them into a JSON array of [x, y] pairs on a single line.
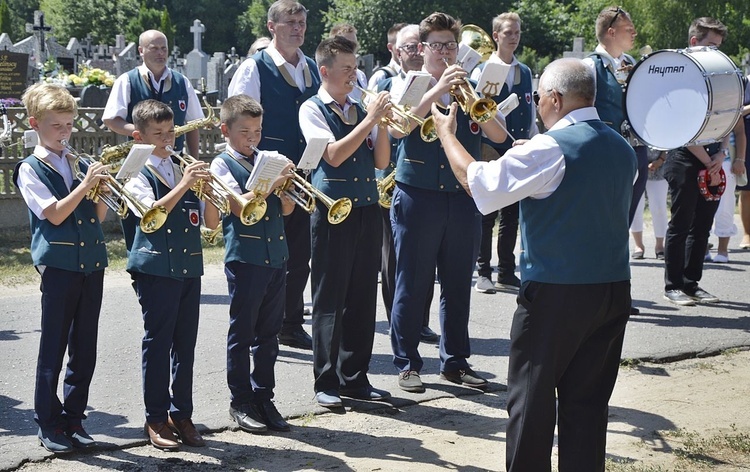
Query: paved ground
[[661, 332]]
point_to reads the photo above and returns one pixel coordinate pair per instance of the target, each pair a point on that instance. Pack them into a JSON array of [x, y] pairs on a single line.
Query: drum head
[[667, 99]]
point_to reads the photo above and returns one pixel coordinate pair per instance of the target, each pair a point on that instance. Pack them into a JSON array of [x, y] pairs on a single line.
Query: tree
[[166, 26], [148, 18], [5, 19], [21, 12], [103, 19]]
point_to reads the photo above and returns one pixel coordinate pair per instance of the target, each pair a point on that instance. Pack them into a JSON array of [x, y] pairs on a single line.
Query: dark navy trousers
[[345, 262], [171, 310], [256, 311], [71, 302], [432, 229]]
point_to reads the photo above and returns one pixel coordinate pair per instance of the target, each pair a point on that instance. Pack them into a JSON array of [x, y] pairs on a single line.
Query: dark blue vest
[[76, 244], [355, 177], [424, 165], [174, 250], [609, 95], [281, 103], [262, 244], [579, 234], [176, 97]]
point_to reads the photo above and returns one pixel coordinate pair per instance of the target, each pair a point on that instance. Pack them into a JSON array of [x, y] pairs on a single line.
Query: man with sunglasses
[[392, 68], [435, 223], [568, 329]]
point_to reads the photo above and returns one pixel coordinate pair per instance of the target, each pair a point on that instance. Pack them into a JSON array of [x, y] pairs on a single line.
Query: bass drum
[[683, 97]]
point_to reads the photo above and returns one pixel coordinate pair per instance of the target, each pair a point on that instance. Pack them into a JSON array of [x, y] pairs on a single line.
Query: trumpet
[[385, 189], [211, 236], [481, 110], [117, 198], [219, 194], [303, 193], [427, 133], [114, 156]]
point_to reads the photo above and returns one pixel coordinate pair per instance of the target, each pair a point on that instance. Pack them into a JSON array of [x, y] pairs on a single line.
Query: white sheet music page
[[268, 166], [468, 58], [313, 152], [492, 79], [135, 161], [415, 86]]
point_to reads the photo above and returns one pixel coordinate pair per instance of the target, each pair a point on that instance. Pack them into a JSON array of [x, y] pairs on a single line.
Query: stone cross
[[197, 29], [39, 29], [87, 47]]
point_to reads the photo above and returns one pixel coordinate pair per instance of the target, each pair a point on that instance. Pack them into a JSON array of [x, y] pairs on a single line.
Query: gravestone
[[127, 59], [216, 74], [14, 69], [5, 43], [577, 51], [76, 50], [196, 64], [39, 30], [93, 96]]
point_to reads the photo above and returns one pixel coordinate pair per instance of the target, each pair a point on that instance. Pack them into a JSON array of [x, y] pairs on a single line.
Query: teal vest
[[77, 244], [520, 120], [174, 250], [281, 103], [261, 244], [424, 165], [176, 97], [609, 95], [579, 234], [355, 177]]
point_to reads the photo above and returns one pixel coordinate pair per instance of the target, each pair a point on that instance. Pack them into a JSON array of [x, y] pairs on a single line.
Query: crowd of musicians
[[451, 172]]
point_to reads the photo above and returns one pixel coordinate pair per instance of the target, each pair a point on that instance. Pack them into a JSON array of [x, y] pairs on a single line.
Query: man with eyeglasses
[[568, 329], [281, 78], [506, 31], [435, 223], [611, 63], [392, 68], [409, 59]]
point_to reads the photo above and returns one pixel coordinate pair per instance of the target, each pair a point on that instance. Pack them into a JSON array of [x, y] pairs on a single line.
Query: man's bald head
[[147, 37], [571, 78]]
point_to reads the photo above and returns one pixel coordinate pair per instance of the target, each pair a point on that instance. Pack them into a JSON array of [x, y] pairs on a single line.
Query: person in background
[[656, 192], [393, 67]]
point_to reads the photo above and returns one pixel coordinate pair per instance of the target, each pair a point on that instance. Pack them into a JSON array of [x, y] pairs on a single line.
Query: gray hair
[[406, 31], [570, 77]]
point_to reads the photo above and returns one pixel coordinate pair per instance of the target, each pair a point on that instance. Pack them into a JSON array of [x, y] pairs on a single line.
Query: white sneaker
[[721, 259], [484, 285]]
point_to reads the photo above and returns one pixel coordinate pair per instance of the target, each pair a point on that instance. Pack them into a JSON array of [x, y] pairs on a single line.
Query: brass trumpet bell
[[305, 194], [477, 39], [385, 189]]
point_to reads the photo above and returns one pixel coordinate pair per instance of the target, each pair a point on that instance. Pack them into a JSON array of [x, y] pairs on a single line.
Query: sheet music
[[415, 86], [468, 58], [268, 166], [313, 152], [508, 105], [135, 161], [492, 79]]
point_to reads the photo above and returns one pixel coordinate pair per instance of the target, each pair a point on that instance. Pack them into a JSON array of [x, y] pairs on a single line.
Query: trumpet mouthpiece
[[168, 148]]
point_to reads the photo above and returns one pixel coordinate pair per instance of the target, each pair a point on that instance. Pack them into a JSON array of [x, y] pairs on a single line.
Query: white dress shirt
[[119, 97], [220, 169], [380, 75], [247, 79], [533, 170], [611, 62], [140, 187], [38, 196]]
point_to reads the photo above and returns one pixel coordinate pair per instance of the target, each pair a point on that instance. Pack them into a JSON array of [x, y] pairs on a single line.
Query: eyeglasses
[[535, 95], [614, 18], [410, 48], [438, 46]]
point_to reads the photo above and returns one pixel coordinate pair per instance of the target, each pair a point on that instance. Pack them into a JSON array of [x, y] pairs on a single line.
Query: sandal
[[637, 254]]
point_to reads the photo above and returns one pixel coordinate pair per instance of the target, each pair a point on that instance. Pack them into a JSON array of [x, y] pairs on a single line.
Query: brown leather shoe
[[185, 430], [161, 436]]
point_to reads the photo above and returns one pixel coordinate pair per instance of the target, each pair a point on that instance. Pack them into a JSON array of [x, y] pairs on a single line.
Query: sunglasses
[[614, 18], [535, 96]]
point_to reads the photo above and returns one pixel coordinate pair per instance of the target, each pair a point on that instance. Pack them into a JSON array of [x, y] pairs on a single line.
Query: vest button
[[356, 199], [183, 210], [267, 262], [169, 230], [368, 199], [82, 266], [442, 166], [356, 179], [93, 220], [170, 249], [269, 240], [267, 218], [368, 179], [442, 186], [457, 186], [184, 251], [97, 264], [82, 244], [80, 222], [281, 238], [354, 159], [184, 271], [186, 230]]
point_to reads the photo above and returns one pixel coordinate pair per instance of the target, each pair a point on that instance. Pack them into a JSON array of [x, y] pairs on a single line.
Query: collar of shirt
[[236, 154], [496, 58], [167, 76], [44, 153], [575, 116], [279, 60], [614, 61], [326, 98]]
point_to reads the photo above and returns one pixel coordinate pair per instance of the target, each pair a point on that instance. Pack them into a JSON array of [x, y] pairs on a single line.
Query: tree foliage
[[103, 19], [147, 18], [5, 19]]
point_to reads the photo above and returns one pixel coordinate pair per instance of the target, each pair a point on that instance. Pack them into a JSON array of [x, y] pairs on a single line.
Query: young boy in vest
[[345, 256], [255, 265], [67, 248], [166, 266]]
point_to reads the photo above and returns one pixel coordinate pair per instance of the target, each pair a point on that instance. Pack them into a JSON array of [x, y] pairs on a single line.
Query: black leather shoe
[[54, 440], [79, 437], [248, 418], [429, 336], [296, 337], [271, 416], [466, 377], [365, 393]]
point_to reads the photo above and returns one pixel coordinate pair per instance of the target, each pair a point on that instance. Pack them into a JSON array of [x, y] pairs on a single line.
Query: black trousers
[[507, 236], [639, 186], [565, 339], [345, 292], [388, 270], [690, 225], [297, 230], [71, 302]]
